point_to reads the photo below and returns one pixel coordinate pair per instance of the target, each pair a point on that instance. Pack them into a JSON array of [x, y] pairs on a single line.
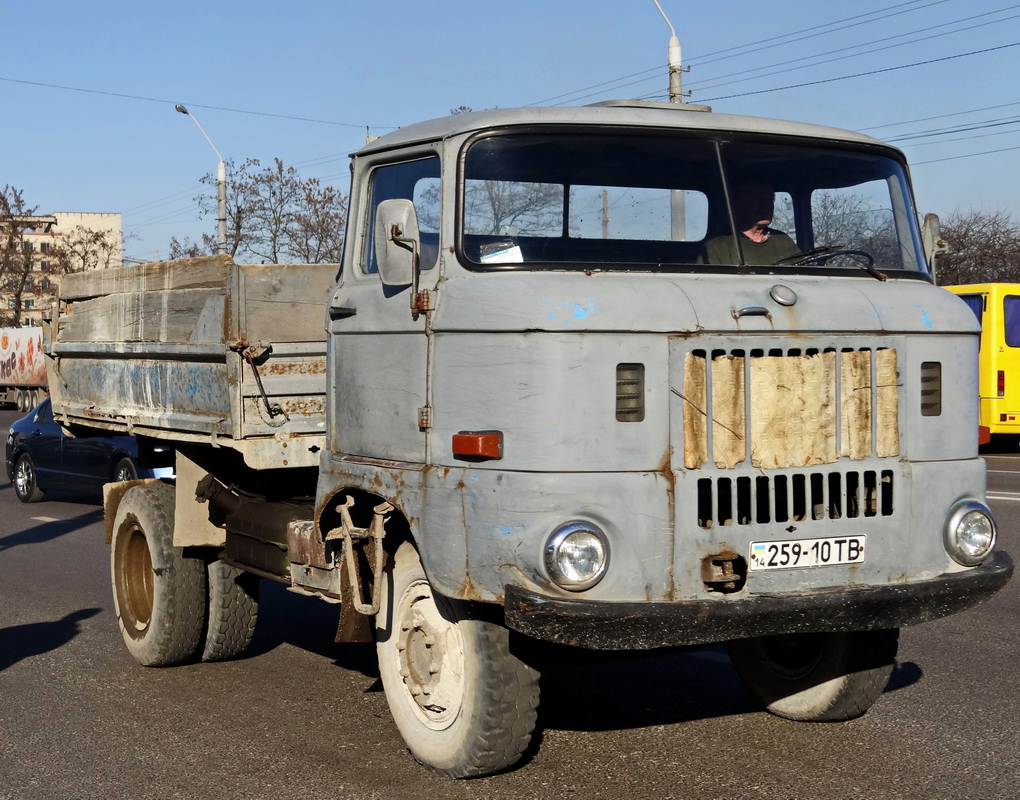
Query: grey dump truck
[[575, 382]]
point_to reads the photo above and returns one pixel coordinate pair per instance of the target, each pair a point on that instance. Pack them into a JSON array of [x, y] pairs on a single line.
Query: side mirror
[[931, 240], [397, 242]]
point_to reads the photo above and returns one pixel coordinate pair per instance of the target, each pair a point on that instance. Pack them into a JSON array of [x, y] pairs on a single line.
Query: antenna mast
[[676, 70]]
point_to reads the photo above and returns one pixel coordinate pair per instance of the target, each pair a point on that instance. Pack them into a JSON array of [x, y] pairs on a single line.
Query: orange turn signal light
[[478, 445]]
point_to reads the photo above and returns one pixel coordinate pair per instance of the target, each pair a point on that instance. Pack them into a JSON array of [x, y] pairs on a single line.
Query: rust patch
[[301, 406], [666, 470], [304, 546], [467, 589], [317, 367]]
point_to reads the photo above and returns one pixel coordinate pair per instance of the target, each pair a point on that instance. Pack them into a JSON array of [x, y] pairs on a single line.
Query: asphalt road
[[302, 716]]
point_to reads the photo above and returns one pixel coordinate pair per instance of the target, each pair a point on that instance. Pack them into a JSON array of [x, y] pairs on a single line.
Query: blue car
[[41, 457]]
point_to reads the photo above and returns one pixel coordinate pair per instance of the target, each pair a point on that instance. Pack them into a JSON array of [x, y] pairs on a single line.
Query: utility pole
[[677, 199], [675, 58]]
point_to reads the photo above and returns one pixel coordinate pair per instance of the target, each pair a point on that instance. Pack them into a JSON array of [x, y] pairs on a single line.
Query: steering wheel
[[821, 258]]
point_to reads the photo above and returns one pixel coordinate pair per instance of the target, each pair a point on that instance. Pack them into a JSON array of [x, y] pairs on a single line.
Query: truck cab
[[596, 403]]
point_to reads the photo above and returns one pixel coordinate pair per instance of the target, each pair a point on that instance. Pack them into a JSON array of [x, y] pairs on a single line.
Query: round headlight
[[577, 555], [970, 533]]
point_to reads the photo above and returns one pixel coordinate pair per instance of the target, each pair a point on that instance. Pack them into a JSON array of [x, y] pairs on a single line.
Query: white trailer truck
[[563, 393], [22, 367]]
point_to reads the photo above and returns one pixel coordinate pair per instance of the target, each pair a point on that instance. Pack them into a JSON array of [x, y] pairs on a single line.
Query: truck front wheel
[[463, 703], [159, 594], [817, 677]]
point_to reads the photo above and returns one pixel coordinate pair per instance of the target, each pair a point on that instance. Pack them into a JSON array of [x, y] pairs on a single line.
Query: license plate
[[793, 553]]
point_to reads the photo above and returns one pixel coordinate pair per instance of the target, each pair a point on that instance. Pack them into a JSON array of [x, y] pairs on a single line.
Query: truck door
[[378, 347]]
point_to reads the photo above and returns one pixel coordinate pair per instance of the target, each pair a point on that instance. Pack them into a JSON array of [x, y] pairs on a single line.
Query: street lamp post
[[221, 187]]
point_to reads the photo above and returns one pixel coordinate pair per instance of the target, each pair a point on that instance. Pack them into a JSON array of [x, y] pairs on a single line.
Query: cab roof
[[629, 113]]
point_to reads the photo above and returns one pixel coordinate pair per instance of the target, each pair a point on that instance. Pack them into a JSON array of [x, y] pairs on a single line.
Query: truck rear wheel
[[817, 677], [233, 610], [463, 703], [159, 594]]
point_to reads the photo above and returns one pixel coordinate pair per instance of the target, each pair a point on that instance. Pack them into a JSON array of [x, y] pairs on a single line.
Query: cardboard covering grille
[[790, 411]]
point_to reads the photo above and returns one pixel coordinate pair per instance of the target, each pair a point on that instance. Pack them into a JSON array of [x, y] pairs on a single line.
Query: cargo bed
[[198, 350]]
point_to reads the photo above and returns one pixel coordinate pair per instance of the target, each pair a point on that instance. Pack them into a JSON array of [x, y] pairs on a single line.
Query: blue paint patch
[[924, 316], [575, 311], [506, 530]]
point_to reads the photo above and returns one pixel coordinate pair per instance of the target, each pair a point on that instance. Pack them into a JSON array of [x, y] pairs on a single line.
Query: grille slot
[[630, 392], [931, 389], [798, 497]]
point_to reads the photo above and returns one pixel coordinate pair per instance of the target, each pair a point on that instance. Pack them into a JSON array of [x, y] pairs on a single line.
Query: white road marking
[[46, 519], [1003, 496]]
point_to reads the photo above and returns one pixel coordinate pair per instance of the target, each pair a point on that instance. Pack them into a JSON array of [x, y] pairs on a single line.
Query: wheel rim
[[134, 581], [793, 656], [430, 657], [23, 477], [123, 474]]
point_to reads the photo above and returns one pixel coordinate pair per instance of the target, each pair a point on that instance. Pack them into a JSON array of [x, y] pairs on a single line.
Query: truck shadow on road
[[47, 531], [640, 690], [287, 618], [623, 690], [36, 638]]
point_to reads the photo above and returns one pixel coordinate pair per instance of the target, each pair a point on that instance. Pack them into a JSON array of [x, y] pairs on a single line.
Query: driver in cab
[[761, 246]]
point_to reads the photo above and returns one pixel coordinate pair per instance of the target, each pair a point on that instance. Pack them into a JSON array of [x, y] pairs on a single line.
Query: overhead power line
[[741, 50], [360, 125], [720, 81], [939, 116], [967, 155], [813, 31], [977, 126], [863, 74]]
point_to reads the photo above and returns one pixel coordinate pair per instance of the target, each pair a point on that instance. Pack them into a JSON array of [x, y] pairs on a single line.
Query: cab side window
[[417, 181]]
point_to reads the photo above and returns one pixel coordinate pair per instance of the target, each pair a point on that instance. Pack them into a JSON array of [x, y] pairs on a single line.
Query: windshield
[[639, 201]]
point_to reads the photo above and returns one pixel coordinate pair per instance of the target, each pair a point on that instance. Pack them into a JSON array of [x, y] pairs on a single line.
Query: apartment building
[[63, 240]]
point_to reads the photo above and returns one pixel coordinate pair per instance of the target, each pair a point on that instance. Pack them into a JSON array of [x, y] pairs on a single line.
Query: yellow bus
[[997, 307]]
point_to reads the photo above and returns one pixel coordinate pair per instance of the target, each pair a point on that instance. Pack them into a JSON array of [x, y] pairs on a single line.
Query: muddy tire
[[26, 483], [233, 610], [817, 677], [464, 704], [159, 594]]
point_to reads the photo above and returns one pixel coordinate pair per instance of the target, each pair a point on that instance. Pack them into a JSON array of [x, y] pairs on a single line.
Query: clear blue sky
[[88, 89]]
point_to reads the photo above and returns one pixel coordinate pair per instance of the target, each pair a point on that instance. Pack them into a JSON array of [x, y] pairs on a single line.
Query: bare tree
[[984, 247], [83, 249], [317, 233], [274, 216], [241, 199], [16, 259], [185, 248], [513, 207]]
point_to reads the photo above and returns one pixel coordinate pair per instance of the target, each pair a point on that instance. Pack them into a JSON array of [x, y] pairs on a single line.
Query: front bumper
[[603, 625]]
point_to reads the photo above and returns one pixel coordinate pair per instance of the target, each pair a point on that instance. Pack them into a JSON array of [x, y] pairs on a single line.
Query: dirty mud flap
[[604, 625]]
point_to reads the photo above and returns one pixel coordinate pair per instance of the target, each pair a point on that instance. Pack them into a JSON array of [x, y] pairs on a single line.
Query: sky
[[88, 89]]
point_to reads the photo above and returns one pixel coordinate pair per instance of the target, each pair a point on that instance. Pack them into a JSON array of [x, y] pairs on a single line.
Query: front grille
[[789, 408], [797, 497]]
